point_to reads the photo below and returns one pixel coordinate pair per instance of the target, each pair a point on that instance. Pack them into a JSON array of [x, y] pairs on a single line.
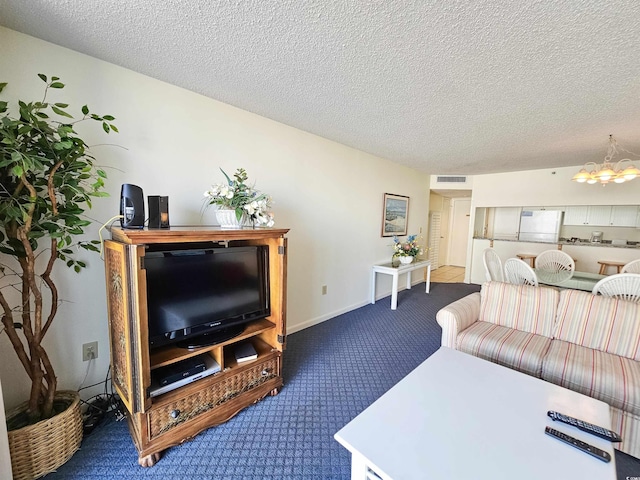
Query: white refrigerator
[[540, 225]]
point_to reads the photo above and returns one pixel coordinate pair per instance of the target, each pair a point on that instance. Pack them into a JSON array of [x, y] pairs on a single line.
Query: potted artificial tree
[[47, 179]]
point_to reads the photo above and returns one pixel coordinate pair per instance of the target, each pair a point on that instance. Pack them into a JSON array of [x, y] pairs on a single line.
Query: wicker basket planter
[[41, 448]]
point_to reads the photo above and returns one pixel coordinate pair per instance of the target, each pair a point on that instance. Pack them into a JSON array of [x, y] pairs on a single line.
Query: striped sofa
[[584, 342]]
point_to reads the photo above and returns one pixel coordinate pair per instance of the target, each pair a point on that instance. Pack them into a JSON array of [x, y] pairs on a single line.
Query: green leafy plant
[[47, 179]]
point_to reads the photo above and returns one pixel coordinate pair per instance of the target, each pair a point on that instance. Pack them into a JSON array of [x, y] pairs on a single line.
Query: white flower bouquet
[[410, 248], [246, 201]]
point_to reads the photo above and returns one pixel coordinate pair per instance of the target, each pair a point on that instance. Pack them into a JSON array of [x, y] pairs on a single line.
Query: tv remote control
[[585, 426], [579, 444]]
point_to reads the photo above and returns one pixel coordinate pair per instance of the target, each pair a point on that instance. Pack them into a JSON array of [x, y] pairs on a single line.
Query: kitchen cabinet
[[603, 215], [599, 215], [575, 215], [535, 209], [593, 215], [624, 216]]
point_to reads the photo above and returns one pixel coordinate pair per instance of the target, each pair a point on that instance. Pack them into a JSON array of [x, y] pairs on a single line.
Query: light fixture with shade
[[609, 172]]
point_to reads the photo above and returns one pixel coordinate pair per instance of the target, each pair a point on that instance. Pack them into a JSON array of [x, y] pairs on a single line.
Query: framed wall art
[[394, 215]]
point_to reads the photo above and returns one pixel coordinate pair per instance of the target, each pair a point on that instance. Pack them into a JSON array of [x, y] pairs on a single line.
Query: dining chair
[[631, 267], [555, 261], [620, 285], [519, 272], [492, 265]]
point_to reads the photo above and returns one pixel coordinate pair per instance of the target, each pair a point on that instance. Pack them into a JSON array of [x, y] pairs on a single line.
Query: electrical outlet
[[89, 351], [324, 289]]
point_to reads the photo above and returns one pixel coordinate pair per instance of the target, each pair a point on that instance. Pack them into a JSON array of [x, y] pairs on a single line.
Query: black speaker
[[131, 206], [158, 211]]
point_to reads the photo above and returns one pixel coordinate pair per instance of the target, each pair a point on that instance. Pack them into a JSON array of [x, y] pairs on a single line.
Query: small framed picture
[[395, 215]]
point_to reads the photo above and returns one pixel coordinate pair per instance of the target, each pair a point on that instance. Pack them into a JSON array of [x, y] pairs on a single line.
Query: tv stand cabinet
[[159, 422]]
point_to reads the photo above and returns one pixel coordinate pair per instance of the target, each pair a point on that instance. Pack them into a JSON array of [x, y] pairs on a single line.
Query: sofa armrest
[[457, 316]]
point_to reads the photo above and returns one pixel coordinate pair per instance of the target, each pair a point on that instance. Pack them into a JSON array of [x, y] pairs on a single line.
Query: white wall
[[173, 142], [548, 187]]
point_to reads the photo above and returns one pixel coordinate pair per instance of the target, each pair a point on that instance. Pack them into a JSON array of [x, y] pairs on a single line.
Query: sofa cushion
[[607, 377], [523, 307], [602, 323], [511, 348]]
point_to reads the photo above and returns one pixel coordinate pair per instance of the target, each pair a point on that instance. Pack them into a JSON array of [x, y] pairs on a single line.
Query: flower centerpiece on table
[[245, 200], [410, 248]]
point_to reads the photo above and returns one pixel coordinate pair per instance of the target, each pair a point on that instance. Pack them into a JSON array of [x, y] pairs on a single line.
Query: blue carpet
[[332, 371]]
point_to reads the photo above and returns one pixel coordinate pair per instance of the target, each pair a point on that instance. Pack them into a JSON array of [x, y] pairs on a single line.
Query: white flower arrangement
[[410, 248], [245, 200]]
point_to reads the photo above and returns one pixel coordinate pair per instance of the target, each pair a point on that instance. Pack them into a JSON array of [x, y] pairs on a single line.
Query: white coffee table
[[460, 417], [395, 271]]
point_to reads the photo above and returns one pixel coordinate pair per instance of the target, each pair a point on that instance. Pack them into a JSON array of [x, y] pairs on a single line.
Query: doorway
[[459, 231], [454, 227]]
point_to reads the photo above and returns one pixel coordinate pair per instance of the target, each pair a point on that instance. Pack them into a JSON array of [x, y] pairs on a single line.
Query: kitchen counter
[[564, 241], [604, 243]]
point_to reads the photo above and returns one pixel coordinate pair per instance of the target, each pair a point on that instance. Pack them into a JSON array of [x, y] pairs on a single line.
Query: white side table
[[395, 272]]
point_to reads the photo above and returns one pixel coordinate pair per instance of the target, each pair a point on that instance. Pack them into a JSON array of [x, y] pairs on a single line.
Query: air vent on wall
[[451, 179]]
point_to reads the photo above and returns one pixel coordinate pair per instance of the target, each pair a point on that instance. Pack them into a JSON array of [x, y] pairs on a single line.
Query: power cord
[[86, 374], [98, 407], [104, 225]]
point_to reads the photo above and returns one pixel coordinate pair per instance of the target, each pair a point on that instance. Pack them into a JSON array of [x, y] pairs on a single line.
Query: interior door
[[459, 237]]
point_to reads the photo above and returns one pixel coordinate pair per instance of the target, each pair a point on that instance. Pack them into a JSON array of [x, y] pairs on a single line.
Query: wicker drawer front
[[167, 417]]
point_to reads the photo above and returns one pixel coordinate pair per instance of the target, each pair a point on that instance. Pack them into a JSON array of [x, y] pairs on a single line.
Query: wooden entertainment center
[[159, 422]]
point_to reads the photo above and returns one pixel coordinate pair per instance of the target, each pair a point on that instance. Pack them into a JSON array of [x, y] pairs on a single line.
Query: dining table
[[568, 279]]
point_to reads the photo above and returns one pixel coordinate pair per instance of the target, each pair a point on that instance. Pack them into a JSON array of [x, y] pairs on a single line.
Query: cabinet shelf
[[262, 349], [167, 355]]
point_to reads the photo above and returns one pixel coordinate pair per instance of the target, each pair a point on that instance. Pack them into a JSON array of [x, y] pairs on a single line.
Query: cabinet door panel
[[575, 215], [277, 284], [279, 301], [129, 350], [624, 215], [599, 216]]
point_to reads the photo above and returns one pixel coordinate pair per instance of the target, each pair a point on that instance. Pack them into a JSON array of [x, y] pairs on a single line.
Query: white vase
[[228, 219], [406, 260]]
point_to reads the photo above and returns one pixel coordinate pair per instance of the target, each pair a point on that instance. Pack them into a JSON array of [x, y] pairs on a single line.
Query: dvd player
[[180, 370], [211, 367]]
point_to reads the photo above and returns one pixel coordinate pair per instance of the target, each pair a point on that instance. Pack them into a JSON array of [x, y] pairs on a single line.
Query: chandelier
[[608, 171]]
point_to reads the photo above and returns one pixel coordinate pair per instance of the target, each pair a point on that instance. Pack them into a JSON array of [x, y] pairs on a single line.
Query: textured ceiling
[[450, 87]]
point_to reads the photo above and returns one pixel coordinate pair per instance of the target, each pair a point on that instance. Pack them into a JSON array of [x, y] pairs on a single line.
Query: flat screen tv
[[203, 295]]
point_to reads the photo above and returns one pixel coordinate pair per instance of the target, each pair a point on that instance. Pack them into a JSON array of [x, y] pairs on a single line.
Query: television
[[204, 294]]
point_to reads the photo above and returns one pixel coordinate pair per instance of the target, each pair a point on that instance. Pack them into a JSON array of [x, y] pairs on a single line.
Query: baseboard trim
[[323, 318]]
